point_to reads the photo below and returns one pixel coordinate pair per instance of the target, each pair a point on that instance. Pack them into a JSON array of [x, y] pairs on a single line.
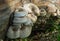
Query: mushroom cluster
[[24, 18]]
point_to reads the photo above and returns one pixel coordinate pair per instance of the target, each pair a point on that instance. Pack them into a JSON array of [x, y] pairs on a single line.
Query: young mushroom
[[32, 17], [33, 11], [51, 8], [30, 7]]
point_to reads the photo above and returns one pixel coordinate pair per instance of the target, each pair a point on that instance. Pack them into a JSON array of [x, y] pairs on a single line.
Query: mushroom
[[30, 7], [51, 7], [32, 17], [13, 32], [22, 25], [43, 12], [58, 13], [33, 11]]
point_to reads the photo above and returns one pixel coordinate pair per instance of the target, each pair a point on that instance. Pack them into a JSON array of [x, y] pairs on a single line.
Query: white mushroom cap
[[20, 33], [25, 32], [13, 35], [52, 8], [20, 20], [30, 7], [32, 17], [20, 12]]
